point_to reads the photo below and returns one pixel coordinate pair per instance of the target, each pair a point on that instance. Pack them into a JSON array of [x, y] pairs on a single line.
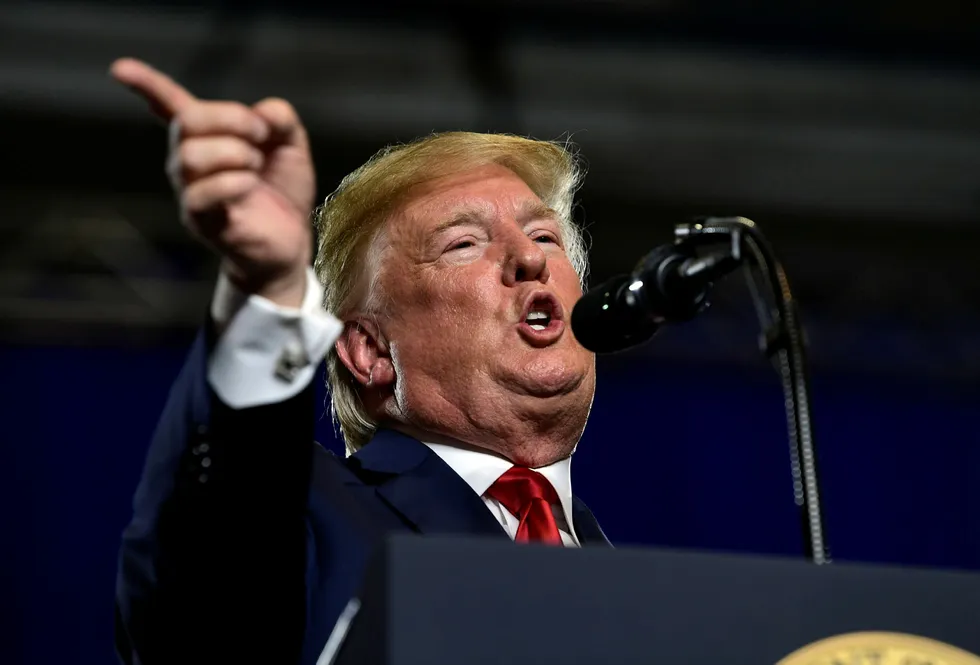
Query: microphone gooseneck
[[671, 284]]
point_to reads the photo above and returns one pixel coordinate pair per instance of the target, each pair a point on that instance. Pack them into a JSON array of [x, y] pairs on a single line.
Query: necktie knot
[[529, 496]]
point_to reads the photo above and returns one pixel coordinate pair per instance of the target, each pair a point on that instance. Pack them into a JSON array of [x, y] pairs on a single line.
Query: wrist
[[286, 290]]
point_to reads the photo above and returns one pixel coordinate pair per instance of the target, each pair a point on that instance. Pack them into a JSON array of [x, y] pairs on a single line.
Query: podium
[[464, 601]]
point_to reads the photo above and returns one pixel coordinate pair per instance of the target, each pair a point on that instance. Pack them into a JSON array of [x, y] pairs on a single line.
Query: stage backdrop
[[675, 455]]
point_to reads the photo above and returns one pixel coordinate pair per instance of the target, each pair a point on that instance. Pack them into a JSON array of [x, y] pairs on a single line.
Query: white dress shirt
[[266, 353]]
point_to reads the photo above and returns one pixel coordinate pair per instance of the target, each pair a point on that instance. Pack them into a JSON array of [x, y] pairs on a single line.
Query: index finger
[[166, 97]]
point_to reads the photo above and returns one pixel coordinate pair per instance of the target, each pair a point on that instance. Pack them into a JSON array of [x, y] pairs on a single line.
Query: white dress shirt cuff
[[266, 353]]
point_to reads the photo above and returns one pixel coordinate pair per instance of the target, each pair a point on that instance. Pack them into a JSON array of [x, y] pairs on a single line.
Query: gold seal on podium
[[879, 649]]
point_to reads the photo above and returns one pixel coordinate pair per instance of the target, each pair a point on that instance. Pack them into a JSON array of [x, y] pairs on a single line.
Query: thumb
[[287, 128]]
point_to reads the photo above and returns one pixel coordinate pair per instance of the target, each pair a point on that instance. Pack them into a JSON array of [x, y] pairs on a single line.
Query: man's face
[[478, 294]]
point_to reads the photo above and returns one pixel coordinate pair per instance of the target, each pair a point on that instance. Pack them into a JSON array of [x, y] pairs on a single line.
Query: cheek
[[565, 281], [467, 303], [464, 288], [448, 309]]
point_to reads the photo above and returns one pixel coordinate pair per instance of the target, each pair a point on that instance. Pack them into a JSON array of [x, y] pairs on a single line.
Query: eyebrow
[[467, 214], [533, 210], [528, 211]]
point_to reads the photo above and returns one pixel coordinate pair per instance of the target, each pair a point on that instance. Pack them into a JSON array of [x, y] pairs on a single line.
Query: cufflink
[[292, 360]]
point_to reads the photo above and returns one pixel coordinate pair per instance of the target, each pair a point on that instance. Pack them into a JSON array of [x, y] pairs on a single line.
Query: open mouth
[[538, 319], [542, 320]]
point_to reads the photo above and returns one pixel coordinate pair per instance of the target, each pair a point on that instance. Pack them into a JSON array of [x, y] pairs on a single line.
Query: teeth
[[538, 319]]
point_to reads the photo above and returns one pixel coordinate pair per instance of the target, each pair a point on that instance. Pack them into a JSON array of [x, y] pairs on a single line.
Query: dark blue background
[[676, 454]]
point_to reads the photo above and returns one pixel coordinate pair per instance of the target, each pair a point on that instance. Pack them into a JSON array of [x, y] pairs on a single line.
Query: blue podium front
[[435, 600]]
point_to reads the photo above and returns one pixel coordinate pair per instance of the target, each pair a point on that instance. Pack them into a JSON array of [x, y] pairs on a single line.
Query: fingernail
[[261, 130]]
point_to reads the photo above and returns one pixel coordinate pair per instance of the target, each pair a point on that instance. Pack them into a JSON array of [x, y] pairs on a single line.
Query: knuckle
[[197, 157], [237, 152], [187, 157], [218, 189], [207, 117], [186, 121], [239, 118], [243, 182]]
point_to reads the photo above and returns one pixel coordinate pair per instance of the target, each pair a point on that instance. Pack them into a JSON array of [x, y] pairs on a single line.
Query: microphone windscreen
[[604, 322]]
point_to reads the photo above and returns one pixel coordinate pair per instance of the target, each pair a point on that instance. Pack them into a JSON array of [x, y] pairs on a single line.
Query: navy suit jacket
[[248, 538]]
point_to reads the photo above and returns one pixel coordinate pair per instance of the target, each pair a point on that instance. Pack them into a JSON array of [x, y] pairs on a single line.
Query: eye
[[460, 244], [546, 238]]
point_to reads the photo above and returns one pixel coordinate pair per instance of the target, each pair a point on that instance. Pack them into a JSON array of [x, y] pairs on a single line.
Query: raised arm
[[213, 563]]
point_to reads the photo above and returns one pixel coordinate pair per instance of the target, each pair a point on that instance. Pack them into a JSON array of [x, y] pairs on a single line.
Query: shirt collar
[[481, 469]]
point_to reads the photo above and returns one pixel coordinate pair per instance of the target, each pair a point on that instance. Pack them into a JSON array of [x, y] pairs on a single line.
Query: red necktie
[[529, 496]]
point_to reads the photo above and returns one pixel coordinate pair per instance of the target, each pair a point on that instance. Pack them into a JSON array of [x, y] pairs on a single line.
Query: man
[[449, 267]]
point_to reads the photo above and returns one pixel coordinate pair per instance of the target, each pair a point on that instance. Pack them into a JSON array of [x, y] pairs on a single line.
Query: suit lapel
[[416, 483], [586, 527]]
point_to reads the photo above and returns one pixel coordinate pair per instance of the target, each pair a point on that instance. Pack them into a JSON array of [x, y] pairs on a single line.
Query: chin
[[550, 380]]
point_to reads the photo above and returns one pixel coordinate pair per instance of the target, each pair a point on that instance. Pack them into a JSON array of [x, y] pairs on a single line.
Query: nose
[[525, 260]]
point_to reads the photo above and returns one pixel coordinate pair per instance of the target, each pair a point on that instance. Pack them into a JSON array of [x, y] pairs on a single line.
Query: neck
[[531, 451], [528, 431]]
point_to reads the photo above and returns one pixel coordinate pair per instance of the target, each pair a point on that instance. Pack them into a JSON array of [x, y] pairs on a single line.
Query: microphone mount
[[684, 277], [668, 285], [782, 340], [671, 285]]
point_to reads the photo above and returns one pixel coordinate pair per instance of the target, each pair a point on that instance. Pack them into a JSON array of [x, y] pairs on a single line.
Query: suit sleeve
[[212, 564]]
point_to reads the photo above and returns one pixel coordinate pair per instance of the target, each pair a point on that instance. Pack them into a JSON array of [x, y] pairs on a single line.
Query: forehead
[[485, 191]]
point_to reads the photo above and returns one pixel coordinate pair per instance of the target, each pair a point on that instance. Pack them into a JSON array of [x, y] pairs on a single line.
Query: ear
[[363, 350]]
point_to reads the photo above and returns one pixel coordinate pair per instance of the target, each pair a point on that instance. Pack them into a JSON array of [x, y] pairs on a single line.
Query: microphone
[[668, 285]]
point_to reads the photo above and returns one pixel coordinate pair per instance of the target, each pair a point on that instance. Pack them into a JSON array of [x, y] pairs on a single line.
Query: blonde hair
[[351, 217]]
